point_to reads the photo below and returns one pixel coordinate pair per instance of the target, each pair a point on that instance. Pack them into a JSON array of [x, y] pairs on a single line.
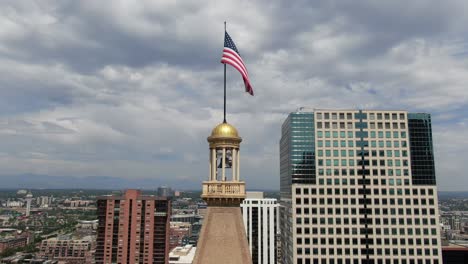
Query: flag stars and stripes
[[232, 57]]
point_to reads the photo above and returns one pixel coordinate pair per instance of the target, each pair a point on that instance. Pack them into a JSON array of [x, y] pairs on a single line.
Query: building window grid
[[407, 236], [405, 172]]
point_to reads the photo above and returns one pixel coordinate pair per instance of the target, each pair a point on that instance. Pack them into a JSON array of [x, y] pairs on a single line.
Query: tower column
[[210, 174], [238, 163], [223, 162], [213, 164], [234, 164]]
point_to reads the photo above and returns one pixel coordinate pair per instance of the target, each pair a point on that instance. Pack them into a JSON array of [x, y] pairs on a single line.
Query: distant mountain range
[[448, 195], [34, 181]]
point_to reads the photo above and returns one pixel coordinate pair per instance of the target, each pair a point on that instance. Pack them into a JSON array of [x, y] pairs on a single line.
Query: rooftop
[[182, 255], [456, 245]]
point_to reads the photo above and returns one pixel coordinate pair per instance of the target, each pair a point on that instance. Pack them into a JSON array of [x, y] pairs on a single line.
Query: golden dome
[[224, 130]]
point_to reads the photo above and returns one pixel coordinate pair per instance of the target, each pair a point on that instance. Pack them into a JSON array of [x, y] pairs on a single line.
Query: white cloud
[[132, 89], [450, 143]]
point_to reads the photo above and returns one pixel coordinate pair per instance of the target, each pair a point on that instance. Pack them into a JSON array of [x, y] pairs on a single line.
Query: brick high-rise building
[[358, 187], [133, 228]]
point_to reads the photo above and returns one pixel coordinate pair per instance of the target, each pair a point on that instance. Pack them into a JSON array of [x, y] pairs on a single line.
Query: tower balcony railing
[[224, 189]]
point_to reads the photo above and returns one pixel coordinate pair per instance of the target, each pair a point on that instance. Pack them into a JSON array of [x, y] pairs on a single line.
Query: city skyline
[[128, 90]]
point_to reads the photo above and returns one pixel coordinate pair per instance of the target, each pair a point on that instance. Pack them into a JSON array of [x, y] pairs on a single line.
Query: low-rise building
[[77, 203], [182, 255], [13, 204], [72, 251], [13, 242], [178, 231], [88, 224], [187, 218]]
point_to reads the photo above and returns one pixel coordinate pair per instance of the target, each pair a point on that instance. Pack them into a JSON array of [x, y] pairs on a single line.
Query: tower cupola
[[224, 186]]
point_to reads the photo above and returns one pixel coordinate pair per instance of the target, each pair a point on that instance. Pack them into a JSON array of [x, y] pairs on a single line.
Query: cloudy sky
[[133, 88]]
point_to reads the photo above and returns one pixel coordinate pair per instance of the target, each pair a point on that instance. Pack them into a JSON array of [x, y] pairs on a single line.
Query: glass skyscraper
[[358, 186]]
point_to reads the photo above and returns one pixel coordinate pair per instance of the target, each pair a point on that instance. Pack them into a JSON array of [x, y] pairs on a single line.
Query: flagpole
[[224, 78]]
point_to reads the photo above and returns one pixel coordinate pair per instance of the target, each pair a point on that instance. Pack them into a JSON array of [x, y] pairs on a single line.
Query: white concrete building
[[182, 255], [14, 204], [28, 199], [261, 216]]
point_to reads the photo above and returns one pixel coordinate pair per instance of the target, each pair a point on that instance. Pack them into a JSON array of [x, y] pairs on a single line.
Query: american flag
[[232, 57]]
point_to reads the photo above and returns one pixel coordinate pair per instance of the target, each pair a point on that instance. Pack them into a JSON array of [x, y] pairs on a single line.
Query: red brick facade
[[133, 228]]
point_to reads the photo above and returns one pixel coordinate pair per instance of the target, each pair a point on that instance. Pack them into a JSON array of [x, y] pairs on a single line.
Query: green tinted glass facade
[[422, 152], [297, 151]]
